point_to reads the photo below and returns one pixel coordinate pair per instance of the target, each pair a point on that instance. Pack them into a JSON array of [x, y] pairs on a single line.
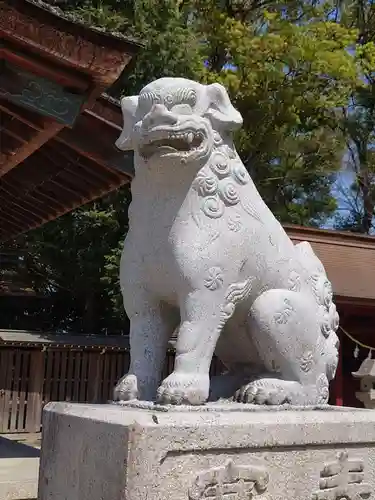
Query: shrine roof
[[349, 260], [73, 18], [56, 146]]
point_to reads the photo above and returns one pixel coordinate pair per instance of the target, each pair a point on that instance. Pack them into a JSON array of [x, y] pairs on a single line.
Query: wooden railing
[[30, 378]]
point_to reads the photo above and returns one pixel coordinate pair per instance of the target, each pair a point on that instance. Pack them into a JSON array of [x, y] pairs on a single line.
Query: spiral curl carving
[[228, 192], [220, 185], [206, 183], [213, 207], [220, 165], [240, 173]]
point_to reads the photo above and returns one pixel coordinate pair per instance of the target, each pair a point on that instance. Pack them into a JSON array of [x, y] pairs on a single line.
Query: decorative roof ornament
[[366, 374]]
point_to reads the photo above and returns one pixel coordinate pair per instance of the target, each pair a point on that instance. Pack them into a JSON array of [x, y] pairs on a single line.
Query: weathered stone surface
[[111, 452], [19, 490], [206, 258]]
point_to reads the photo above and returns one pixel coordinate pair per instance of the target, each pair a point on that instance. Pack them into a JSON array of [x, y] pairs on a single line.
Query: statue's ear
[[224, 117], [129, 107]]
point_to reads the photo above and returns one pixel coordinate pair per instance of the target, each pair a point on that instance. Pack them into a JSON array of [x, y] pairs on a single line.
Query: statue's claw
[[272, 391], [126, 388], [184, 388]]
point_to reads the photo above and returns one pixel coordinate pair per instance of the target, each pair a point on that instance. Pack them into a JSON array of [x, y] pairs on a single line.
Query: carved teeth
[[182, 142]]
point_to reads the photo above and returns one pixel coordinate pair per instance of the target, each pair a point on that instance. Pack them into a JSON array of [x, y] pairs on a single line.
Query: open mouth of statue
[[176, 142]]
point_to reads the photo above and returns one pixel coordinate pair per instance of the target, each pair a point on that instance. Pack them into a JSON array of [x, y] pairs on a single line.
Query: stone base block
[[220, 452], [18, 490]]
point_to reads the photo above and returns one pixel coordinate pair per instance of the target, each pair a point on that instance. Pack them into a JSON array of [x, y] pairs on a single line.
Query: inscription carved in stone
[[343, 480], [230, 482]]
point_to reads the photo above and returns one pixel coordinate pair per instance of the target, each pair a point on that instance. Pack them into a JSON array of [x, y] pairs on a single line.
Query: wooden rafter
[[8, 144], [21, 206], [23, 214], [101, 152], [50, 129], [62, 174], [89, 167], [7, 227], [44, 130], [73, 167], [23, 132], [29, 118], [13, 127]]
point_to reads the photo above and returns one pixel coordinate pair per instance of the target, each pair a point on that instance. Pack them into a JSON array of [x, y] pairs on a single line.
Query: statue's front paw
[[184, 388], [126, 388]]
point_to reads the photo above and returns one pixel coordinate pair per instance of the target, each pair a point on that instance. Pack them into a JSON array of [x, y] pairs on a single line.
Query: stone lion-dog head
[[177, 119]]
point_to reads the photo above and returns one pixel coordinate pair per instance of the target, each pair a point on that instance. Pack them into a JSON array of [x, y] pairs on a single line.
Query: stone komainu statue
[[205, 258]]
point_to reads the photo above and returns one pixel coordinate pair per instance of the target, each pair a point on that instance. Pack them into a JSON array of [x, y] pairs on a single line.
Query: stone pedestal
[[220, 451]]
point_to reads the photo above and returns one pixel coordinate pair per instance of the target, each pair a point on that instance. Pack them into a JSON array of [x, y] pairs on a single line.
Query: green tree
[[359, 122], [287, 69], [170, 45], [69, 262], [288, 79]]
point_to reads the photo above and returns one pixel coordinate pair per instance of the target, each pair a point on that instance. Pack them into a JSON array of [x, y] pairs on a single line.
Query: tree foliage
[[288, 79], [359, 123], [73, 262], [299, 72], [286, 66]]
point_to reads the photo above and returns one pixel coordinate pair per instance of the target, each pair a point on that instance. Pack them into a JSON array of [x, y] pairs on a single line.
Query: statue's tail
[[309, 259], [320, 285]]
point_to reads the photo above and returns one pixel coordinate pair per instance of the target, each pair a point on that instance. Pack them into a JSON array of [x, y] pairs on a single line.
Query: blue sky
[[344, 180]]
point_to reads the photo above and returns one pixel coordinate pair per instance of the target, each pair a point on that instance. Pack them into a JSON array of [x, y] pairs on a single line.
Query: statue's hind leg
[[285, 327]]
